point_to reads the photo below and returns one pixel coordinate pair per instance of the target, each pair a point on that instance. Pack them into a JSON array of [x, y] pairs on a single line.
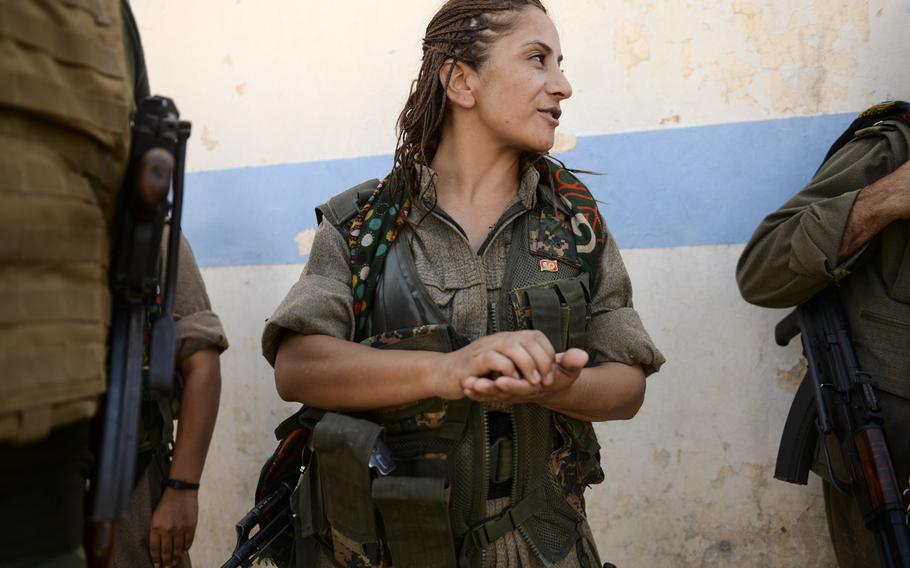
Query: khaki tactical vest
[[64, 137], [430, 511]]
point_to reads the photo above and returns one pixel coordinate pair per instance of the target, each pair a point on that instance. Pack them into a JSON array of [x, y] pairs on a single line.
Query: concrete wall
[[704, 116]]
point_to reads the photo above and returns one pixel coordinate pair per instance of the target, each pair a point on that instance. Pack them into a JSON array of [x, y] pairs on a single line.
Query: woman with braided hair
[[463, 322]]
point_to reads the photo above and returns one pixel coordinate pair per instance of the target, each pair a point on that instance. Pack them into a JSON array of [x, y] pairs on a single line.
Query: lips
[[552, 114]]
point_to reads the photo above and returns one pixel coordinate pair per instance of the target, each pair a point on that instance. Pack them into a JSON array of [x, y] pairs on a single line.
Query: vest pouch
[[343, 445], [559, 309], [586, 448], [309, 521], [415, 517]]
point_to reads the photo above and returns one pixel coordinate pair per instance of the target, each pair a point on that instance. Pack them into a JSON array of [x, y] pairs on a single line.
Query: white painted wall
[[689, 479], [278, 81]]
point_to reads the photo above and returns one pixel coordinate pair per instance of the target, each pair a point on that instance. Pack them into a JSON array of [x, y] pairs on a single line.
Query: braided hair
[[461, 31]]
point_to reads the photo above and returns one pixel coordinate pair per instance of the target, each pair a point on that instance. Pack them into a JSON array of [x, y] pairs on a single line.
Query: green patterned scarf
[[384, 214]]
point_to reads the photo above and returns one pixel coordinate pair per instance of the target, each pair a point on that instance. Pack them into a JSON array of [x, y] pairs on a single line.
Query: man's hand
[[173, 526], [565, 372]]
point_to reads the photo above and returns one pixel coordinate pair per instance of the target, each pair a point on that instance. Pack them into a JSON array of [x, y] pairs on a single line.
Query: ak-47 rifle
[[836, 398], [156, 166]]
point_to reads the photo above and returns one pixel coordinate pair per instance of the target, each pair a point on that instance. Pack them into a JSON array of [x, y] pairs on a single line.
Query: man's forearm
[[877, 206]]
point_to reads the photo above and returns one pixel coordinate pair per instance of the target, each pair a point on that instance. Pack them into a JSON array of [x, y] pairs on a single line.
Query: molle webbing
[[64, 124]]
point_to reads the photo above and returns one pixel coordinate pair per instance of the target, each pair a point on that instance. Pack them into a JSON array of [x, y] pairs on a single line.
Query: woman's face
[[521, 85]]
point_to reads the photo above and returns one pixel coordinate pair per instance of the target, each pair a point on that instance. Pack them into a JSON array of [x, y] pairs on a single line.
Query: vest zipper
[[515, 467], [485, 477], [494, 324]]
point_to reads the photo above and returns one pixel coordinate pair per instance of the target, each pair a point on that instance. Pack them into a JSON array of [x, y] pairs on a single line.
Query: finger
[[517, 389], [179, 546], [517, 351], [541, 339], [188, 538], [155, 547], [544, 357], [167, 548], [573, 360], [494, 361]]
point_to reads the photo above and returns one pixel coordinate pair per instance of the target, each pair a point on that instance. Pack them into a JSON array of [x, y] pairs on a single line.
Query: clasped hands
[[513, 367]]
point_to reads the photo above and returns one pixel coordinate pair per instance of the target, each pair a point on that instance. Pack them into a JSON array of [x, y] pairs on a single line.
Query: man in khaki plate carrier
[[849, 227], [64, 134]]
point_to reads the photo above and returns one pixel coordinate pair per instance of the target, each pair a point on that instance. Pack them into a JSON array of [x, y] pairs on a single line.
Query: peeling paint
[[662, 457], [304, 240], [564, 142], [670, 120], [721, 478], [207, 141], [685, 56], [789, 379], [240, 88], [228, 60], [800, 68], [241, 416], [632, 44]]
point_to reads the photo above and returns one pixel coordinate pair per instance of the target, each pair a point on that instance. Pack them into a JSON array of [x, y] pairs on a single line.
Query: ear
[[460, 78]]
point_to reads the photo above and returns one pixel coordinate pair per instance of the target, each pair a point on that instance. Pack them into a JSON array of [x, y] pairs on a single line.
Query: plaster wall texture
[[704, 116]]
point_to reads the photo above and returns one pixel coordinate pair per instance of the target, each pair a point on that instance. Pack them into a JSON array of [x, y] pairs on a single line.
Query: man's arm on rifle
[[795, 252], [200, 339], [877, 206]]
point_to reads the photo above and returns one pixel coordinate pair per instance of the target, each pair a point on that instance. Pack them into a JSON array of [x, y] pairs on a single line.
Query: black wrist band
[[177, 484]]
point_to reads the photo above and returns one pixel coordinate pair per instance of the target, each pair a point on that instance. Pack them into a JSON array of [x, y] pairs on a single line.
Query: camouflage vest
[[452, 456], [64, 130]]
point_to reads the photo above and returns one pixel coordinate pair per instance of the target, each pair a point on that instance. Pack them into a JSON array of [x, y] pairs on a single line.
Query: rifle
[[836, 398], [275, 519], [276, 508], [156, 164]]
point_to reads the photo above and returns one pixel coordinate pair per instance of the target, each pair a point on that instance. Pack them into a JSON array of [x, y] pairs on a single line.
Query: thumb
[[572, 360]]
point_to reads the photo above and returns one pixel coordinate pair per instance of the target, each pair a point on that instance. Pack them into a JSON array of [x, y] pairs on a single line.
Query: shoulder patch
[[342, 208]]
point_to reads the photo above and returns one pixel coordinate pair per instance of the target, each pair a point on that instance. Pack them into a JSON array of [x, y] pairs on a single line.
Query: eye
[[539, 57]]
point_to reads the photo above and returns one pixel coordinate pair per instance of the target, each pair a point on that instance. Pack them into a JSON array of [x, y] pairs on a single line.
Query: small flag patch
[[547, 265]]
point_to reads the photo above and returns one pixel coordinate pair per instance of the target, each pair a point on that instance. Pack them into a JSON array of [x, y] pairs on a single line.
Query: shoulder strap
[[342, 208], [890, 110]]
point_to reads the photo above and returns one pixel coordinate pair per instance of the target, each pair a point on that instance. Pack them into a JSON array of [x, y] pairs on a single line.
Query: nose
[[559, 85]]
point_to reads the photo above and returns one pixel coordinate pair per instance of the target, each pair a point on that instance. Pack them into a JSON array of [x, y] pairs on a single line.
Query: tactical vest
[[64, 134], [451, 456]]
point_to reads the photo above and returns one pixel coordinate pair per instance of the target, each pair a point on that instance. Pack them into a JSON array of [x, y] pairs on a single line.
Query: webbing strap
[[456, 420], [501, 460], [53, 304], [95, 8], [545, 314], [574, 295], [63, 44], [493, 529], [29, 170], [64, 103]]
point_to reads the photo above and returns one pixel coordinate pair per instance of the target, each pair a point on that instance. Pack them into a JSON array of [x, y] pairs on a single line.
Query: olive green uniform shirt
[[462, 283], [794, 254]]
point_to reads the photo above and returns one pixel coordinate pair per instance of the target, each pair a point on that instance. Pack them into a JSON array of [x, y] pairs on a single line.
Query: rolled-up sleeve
[[197, 326], [320, 303], [616, 333], [793, 254]]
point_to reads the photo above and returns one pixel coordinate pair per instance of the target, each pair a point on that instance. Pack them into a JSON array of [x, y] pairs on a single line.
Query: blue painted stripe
[[706, 185]]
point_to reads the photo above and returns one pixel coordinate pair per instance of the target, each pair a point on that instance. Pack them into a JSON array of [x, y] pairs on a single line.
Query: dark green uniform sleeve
[[794, 252]]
